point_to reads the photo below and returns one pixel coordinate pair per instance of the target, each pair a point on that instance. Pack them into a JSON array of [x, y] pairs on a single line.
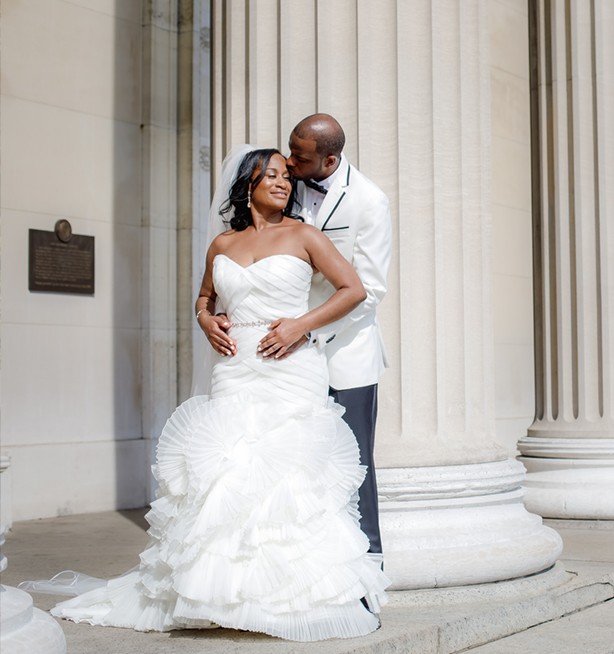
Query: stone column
[[415, 105], [451, 501], [200, 177], [159, 220], [569, 449]]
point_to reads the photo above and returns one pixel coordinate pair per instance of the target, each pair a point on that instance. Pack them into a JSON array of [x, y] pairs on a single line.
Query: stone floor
[[571, 604]]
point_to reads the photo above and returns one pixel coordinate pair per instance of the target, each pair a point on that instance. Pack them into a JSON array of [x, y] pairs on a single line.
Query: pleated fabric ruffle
[[255, 527]]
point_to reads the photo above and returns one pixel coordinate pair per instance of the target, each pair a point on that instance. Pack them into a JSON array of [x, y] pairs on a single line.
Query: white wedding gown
[[256, 524]]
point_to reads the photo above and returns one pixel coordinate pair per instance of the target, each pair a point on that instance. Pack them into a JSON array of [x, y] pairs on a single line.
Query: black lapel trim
[[333, 211]]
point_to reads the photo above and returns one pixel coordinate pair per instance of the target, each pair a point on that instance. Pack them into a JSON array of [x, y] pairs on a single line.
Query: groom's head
[[315, 144]]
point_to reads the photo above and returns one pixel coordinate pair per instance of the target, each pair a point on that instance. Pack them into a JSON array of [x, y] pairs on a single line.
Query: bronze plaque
[[60, 261]]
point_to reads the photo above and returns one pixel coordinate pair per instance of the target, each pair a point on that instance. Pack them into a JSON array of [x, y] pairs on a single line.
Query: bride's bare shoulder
[[301, 227], [221, 242], [308, 233]]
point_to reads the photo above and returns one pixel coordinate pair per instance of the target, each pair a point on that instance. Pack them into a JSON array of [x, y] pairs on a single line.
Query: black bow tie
[[315, 186]]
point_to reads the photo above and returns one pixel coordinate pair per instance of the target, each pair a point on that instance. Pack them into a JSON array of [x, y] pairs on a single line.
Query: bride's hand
[[215, 328], [284, 337]]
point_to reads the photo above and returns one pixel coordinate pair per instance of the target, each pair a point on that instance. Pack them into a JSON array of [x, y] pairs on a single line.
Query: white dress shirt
[[313, 199]]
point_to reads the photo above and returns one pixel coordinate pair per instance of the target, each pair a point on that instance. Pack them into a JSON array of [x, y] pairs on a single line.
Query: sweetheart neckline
[[270, 256]]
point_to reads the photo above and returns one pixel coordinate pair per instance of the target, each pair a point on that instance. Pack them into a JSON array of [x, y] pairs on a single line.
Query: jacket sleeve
[[371, 260]]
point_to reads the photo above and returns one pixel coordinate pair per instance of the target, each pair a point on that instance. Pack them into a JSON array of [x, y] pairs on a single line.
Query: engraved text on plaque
[[61, 266]]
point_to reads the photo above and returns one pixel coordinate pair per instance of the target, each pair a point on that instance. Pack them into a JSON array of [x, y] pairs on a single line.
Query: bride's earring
[[249, 199]]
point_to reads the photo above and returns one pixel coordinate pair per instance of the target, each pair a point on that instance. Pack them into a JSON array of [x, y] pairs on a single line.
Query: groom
[[354, 213]]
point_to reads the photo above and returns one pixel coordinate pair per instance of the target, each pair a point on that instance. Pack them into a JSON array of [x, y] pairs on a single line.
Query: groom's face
[[304, 162]]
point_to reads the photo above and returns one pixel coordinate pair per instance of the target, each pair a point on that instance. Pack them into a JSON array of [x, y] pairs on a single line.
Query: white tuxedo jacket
[[355, 215]]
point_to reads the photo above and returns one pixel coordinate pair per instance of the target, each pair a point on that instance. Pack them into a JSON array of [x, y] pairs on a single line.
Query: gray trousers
[[360, 414]]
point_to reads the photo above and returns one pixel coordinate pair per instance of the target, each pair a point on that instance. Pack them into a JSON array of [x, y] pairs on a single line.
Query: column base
[[569, 478], [460, 525], [25, 629]]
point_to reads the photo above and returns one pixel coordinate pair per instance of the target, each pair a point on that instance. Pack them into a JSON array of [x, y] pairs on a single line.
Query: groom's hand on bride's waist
[[216, 330]]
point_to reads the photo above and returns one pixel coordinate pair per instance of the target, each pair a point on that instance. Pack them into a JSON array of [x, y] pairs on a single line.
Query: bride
[[256, 522]]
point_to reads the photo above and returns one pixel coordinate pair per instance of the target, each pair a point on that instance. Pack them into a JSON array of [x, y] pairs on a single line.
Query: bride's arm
[[214, 326], [349, 293]]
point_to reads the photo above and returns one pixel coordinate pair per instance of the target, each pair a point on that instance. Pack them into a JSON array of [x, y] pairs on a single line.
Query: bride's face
[[273, 191]]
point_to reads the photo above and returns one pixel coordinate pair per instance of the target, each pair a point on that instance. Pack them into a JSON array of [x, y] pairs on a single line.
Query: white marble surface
[[69, 163], [26, 629], [70, 384], [574, 419], [58, 54], [459, 525], [72, 365], [98, 476], [582, 492]]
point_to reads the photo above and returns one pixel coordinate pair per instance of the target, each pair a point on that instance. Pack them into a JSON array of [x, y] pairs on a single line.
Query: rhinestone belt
[[253, 323]]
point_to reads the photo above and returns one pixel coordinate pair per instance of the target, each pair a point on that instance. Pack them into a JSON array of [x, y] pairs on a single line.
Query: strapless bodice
[[253, 296], [273, 287]]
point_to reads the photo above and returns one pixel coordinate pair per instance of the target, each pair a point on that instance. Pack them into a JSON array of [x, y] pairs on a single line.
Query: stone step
[[590, 631], [439, 621], [448, 621]]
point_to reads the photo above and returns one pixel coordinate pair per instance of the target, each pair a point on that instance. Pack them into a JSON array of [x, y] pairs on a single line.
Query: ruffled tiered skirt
[[255, 527]]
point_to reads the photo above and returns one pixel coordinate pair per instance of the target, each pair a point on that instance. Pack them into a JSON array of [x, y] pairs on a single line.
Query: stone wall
[[72, 85]]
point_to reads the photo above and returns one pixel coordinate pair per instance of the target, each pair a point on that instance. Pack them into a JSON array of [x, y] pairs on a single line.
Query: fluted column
[[415, 104], [159, 221], [451, 501], [569, 449]]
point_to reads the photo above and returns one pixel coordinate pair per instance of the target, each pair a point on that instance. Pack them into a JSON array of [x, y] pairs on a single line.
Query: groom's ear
[[330, 162]]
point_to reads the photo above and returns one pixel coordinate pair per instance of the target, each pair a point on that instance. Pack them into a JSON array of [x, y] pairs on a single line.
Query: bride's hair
[[235, 211]]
